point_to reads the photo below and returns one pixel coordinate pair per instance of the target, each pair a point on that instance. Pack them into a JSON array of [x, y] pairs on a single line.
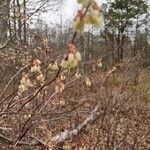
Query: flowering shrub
[[89, 13], [35, 66], [24, 84], [44, 81], [55, 100]]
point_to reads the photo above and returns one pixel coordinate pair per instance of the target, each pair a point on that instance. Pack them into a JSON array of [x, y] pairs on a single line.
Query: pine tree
[[121, 15]]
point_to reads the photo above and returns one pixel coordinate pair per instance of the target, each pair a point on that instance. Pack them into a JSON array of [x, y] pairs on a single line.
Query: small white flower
[[78, 75], [38, 61], [35, 69], [59, 88], [62, 77], [23, 80], [22, 88], [88, 82], [99, 63], [41, 77], [28, 83]]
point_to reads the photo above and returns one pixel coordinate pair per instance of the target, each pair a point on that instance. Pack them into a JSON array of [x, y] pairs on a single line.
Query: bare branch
[[68, 134]]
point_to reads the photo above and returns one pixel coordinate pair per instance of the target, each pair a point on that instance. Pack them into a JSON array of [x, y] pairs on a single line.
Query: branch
[[12, 79], [5, 129], [68, 134], [21, 143], [63, 136]]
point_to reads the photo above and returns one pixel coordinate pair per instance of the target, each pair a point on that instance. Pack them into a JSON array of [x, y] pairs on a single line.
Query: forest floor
[[123, 122]]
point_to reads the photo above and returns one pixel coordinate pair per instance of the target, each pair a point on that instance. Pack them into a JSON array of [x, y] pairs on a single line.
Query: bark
[[69, 134], [4, 14], [19, 20], [24, 22]]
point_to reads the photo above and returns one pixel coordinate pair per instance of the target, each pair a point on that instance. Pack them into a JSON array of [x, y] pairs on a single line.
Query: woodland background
[[113, 113]]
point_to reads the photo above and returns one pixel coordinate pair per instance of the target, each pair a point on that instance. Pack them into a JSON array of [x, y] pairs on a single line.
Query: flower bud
[[62, 102], [99, 63], [59, 87], [78, 75], [41, 77], [38, 62], [23, 80], [88, 82], [72, 48], [62, 77]]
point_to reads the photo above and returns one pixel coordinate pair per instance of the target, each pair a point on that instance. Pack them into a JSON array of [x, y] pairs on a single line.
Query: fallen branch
[[60, 138], [5, 129], [69, 134]]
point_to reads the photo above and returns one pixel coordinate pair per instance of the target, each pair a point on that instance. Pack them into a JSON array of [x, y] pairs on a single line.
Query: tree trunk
[[118, 48], [122, 47], [14, 16], [4, 14], [19, 19], [24, 22]]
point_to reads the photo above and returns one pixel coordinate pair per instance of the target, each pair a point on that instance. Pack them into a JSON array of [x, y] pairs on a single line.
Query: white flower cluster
[[53, 66], [72, 58], [35, 66], [40, 77], [93, 16], [24, 84]]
